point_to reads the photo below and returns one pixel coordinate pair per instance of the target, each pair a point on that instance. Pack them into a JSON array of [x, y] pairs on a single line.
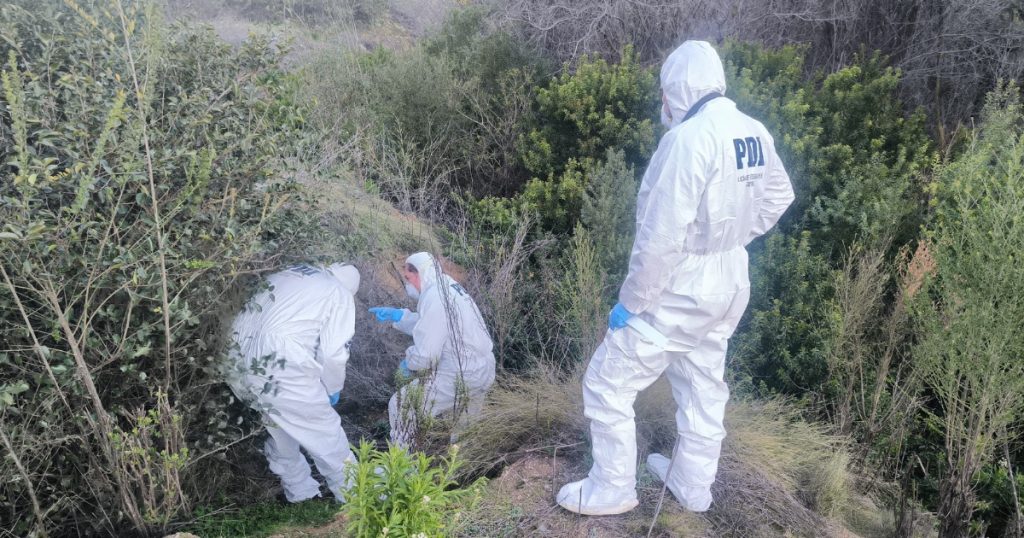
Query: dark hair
[[411, 268]]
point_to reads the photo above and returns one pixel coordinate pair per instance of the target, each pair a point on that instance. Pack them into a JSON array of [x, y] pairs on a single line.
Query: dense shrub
[[440, 118], [971, 306], [583, 113], [784, 343], [856, 163], [582, 117], [139, 188], [952, 52]]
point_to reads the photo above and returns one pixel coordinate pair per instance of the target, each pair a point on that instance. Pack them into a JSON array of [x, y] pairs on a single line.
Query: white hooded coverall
[[714, 184], [451, 344], [293, 341]]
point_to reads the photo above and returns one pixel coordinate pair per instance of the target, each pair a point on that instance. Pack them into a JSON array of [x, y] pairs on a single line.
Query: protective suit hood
[[691, 72], [426, 266], [347, 274]]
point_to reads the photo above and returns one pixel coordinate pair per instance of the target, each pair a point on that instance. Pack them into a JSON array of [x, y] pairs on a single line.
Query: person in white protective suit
[[713, 185], [293, 343], [451, 352]]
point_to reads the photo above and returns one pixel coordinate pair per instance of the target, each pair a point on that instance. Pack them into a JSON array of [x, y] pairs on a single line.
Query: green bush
[[856, 162], [584, 113], [783, 344], [854, 157], [395, 493], [971, 305], [140, 187], [609, 213], [444, 116], [867, 186]]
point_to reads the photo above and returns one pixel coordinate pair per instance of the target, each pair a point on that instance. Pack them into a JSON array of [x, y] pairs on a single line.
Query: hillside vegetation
[[157, 159]]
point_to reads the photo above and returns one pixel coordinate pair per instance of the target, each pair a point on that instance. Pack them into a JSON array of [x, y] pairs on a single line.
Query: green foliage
[[578, 279], [970, 308], [582, 114], [853, 155], [263, 519], [480, 52], [609, 213], [580, 293], [783, 344], [139, 186], [1003, 484], [443, 116], [558, 200], [866, 185], [855, 161], [395, 493]]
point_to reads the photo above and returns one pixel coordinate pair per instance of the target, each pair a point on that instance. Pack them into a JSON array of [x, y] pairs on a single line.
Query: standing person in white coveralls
[[714, 184], [451, 347], [293, 342]]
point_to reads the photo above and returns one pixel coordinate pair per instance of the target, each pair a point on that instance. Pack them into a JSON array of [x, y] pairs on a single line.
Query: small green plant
[[398, 494]]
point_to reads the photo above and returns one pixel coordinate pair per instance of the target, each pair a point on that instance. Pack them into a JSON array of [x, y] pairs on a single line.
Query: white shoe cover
[[694, 499], [582, 497]]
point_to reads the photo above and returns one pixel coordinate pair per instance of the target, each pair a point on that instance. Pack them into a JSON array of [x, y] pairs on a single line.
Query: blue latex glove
[[618, 317], [387, 314], [334, 398], [403, 368]]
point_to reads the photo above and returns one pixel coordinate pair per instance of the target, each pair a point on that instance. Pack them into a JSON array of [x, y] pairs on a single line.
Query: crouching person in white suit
[[292, 345], [451, 351]]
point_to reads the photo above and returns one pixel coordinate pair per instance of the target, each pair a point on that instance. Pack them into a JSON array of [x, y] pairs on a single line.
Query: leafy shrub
[[139, 189], [867, 185], [394, 493], [970, 307], [609, 213], [783, 342], [852, 154], [582, 114], [856, 162], [443, 116]]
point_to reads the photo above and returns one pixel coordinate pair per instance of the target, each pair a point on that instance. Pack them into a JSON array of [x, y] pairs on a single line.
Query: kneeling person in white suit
[[713, 185], [293, 341], [451, 348]]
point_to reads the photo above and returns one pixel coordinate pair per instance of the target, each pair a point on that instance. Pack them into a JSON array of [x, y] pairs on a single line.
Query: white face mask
[[666, 117], [412, 291]]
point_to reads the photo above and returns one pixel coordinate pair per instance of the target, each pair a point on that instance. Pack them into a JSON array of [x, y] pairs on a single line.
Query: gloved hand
[[403, 368], [618, 317], [334, 398], [387, 314]]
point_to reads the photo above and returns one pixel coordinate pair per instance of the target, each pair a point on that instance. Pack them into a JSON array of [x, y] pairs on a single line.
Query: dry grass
[[779, 475], [528, 414], [520, 502]]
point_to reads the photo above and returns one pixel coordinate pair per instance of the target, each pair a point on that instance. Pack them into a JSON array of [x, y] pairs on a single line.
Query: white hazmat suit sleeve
[[336, 333], [408, 321], [675, 181], [429, 333], [778, 195]]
